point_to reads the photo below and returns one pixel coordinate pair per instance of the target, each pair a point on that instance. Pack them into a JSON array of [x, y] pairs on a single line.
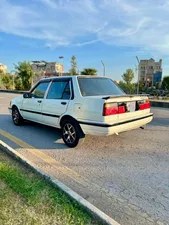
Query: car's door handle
[[39, 101], [63, 103]]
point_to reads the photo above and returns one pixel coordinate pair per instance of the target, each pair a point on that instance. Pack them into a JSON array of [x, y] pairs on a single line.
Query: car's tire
[[72, 134], [16, 117]]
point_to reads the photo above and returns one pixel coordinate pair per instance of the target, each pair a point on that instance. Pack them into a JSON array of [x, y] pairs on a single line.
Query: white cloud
[[142, 24], [49, 3], [85, 43]]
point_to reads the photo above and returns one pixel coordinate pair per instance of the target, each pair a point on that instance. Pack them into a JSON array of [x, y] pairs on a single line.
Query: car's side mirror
[[27, 95]]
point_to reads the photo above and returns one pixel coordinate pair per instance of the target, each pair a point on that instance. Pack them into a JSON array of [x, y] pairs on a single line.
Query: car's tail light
[[110, 109], [145, 105], [113, 109], [122, 109]]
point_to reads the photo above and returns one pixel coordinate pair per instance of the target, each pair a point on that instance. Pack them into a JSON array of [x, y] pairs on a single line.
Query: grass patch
[[26, 198], [27, 187]]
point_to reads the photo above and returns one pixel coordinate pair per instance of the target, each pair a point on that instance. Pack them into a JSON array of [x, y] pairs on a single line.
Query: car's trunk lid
[[131, 103]]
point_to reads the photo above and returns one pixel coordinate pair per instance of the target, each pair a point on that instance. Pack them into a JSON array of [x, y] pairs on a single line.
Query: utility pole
[[138, 81], [104, 69]]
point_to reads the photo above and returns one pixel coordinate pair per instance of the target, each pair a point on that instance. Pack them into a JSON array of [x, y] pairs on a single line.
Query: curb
[[159, 104], [92, 210]]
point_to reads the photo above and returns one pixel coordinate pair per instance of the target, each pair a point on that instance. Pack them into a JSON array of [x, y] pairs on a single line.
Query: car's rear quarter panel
[[91, 109]]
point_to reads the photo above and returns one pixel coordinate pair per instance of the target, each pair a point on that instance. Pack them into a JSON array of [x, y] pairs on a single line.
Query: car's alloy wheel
[[16, 117], [71, 133]]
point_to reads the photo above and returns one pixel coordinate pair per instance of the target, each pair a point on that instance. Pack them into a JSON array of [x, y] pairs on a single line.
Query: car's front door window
[[32, 106], [39, 91]]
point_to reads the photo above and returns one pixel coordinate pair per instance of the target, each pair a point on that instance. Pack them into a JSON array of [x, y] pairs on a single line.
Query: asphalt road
[[126, 176]]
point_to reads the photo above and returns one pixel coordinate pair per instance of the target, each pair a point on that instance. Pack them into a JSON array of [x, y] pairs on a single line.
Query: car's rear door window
[[59, 90], [98, 86]]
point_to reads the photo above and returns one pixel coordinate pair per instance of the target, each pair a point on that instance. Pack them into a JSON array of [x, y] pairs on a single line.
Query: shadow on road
[[159, 121], [48, 138], [37, 135]]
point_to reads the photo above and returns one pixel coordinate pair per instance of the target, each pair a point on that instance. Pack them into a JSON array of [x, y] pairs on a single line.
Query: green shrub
[[7, 81], [18, 83]]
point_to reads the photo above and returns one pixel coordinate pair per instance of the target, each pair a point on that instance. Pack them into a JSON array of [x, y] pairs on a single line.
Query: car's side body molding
[[44, 114], [115, 124]]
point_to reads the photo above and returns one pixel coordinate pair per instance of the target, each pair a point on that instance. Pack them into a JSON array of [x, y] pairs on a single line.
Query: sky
[[114, 31]]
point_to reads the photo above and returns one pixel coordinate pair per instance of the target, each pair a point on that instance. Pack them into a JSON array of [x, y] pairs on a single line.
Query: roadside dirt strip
[[81, 201]]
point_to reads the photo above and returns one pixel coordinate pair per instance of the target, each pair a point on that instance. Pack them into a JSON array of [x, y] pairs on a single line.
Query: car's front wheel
[[16, 117], [71, 133]]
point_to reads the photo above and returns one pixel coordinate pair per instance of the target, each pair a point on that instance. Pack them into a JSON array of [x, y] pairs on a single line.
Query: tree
[[1, 72], [165, 83], [141, 86], [18, 83], [73, 66], [25, 72], [127, 86], [37, 76], [89, 71], [7, 81], [128, 76], [122, 85]]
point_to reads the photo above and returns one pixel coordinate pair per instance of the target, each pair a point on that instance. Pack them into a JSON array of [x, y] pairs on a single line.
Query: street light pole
[[104, 69], [138, 81]]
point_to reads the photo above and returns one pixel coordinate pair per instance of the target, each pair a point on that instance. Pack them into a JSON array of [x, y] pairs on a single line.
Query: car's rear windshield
[[98, 86]]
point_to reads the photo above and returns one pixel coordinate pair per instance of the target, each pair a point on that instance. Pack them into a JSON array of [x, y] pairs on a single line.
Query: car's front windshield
[[98, 86]]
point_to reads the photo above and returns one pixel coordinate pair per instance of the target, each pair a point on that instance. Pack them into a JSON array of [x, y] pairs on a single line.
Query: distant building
[[117, 81], [150, 72], [47, 68], [3, 68]]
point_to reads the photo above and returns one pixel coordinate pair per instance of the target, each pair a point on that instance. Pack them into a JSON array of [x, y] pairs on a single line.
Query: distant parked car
[[81, 105]]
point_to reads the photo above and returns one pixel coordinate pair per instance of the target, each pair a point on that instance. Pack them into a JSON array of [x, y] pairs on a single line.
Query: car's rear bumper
[[103, 129]]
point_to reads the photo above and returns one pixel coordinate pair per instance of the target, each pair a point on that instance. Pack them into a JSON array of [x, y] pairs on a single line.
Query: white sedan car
[[81, 105]]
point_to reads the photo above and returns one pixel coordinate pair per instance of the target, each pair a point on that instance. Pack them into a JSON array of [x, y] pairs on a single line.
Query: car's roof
[[81, 76]]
